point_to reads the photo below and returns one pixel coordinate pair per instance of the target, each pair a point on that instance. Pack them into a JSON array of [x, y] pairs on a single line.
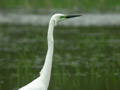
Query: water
[[84, 58], [90, 19]]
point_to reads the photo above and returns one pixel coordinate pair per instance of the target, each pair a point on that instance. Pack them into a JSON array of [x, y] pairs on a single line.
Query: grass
[[84, 58], [83, 5]]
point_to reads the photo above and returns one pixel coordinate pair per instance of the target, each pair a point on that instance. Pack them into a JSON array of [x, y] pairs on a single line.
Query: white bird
[[42, 82]]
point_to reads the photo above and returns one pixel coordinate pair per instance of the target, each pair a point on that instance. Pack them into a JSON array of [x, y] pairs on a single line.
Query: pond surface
[[84, 58]]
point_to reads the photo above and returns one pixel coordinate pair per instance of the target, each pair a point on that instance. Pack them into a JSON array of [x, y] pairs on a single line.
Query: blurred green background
[[83, 5], [85, 58]]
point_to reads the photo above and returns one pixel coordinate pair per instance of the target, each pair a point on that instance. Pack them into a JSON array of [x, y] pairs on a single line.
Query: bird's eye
[[62, 17]]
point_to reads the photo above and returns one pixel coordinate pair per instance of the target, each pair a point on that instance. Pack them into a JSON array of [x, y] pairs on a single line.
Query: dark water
[[84, 58]]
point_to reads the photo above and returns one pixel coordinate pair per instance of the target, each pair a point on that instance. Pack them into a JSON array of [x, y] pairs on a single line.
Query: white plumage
[[42, 82]]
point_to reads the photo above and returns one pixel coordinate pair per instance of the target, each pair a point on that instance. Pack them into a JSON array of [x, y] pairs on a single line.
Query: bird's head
[[60, 17]]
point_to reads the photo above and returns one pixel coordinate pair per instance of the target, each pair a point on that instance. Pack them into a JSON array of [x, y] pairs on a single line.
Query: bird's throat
[[46, 70]]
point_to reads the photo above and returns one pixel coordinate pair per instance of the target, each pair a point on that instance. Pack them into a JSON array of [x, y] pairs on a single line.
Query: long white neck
[[46, 70]]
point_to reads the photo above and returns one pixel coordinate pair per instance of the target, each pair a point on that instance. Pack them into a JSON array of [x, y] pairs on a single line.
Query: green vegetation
[[84, 58], [82, 5]]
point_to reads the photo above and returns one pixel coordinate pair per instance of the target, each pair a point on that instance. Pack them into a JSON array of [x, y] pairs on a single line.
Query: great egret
[[42, 82]]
